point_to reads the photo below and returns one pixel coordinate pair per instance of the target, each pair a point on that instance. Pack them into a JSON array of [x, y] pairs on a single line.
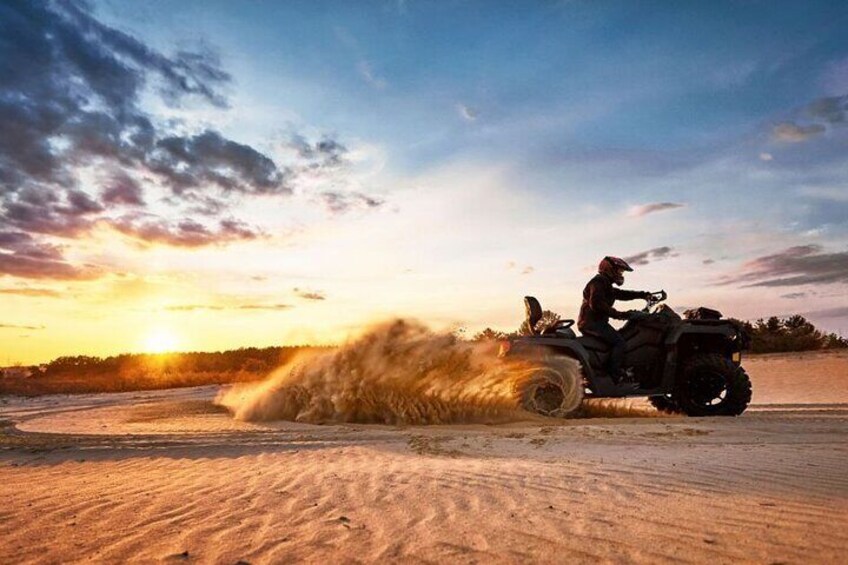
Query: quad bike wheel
[[711, 385], [665, 404], [554, 389]]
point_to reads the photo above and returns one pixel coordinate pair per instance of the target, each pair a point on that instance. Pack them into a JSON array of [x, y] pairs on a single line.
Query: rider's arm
[[618, 315], [621, 294], [599, 302]]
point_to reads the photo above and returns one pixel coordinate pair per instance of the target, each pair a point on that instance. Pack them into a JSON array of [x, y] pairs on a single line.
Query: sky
[[207, 175]]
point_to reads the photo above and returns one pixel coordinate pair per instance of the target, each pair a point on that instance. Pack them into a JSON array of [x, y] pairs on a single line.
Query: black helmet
[[614, 267]]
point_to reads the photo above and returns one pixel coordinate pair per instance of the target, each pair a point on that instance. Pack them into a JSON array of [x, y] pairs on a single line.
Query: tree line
[[792, 333], [254, 360], [146, 371]]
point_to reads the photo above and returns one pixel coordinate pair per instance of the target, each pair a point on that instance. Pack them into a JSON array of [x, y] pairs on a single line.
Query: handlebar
[[653, 299]]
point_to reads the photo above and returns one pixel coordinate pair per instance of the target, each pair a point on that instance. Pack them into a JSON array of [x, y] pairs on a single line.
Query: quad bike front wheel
[[712, 385], [553, 389]]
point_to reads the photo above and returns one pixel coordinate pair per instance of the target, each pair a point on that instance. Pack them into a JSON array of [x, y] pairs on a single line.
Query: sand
[[167, 476]]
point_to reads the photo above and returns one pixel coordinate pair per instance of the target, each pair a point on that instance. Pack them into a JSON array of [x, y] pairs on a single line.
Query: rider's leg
[[616, 358], [618, 347]]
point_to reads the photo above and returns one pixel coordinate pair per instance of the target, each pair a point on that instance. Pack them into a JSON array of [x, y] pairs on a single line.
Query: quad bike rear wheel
[[712, 385], [553, 389]]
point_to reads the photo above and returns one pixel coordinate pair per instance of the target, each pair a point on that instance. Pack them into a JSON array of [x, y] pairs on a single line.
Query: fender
[[568, 347], [691, 327], [600, 386], [718, 327]]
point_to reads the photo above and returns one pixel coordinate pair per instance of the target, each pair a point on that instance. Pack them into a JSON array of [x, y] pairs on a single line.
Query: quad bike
[[685, 365]]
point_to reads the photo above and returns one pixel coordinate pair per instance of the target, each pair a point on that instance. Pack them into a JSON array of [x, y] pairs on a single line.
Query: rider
[[597, 308]]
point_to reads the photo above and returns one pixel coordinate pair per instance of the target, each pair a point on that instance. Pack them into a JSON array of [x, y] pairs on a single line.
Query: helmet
[[614, 267]]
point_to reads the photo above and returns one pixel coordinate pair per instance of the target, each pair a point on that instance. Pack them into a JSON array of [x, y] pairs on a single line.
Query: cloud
[[799, 265], [320, 164], [341, 202], [327, 153], [209, 159], [325, 147], [830, 109], [645, 209], [184, 233], [792, 133], [708, 261], [123, 189], [264, 307], [835, 76], [527, 270], [27, 291], [32, 268], [363, 67], [16, 327], [71, 92], [368, 74], [310, 295], [651, 255], [467, 113], [794, 295], [836, 312], [214, 307], [192, 307], [829, 193], [71, 100], [23, 256], [42, 210]]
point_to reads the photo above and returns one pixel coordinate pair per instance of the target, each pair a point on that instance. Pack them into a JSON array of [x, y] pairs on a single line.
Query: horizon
[[459, 333], [292, 173]]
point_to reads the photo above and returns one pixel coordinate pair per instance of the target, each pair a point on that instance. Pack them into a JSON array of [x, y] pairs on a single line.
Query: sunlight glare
[[160, 341]]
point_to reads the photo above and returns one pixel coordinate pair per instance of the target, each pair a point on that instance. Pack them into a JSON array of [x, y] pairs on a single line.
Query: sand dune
[[799, 378], [168, 476]]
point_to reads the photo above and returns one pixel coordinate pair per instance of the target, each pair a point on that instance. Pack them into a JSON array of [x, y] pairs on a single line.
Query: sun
[[161, 341]]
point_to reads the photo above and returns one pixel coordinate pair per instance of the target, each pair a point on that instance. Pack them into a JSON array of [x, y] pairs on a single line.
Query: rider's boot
[[625, 380]]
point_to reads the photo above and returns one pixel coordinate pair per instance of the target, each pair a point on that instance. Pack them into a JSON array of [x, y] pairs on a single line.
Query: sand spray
[[397, 372]]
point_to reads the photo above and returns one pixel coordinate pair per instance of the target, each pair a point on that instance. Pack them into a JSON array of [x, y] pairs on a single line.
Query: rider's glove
[[646, 294]]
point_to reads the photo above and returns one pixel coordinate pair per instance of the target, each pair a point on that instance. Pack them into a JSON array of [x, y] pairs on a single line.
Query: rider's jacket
[[598, 299]]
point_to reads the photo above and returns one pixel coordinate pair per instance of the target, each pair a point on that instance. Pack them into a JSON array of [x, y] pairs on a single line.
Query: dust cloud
[[400, 372]]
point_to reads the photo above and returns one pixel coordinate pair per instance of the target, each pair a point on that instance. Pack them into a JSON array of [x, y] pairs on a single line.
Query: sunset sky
[[203, 175]]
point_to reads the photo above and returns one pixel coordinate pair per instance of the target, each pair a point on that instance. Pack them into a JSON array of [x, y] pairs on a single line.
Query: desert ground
[[169, 476]]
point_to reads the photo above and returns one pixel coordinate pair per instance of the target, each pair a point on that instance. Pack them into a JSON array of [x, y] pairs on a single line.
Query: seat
[[534, 314], [593, 342]]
